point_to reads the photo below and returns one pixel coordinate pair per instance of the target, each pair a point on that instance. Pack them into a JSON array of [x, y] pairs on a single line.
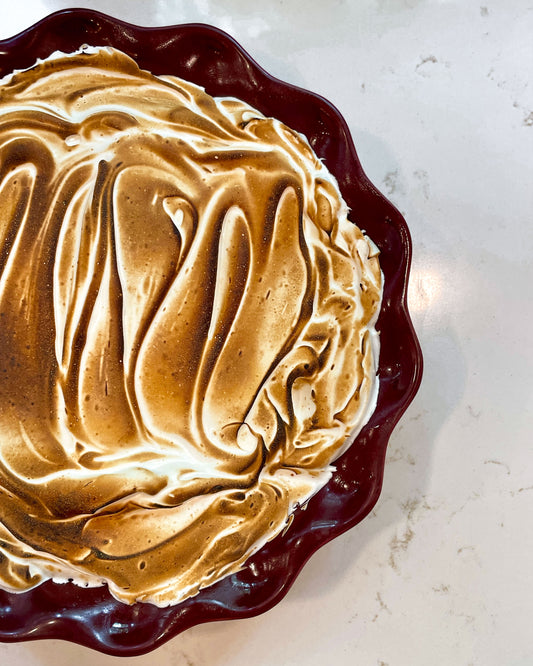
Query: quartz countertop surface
[[438, 95]]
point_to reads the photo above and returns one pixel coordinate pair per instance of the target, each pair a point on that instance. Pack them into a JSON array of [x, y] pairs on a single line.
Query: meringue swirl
[[187, 328]]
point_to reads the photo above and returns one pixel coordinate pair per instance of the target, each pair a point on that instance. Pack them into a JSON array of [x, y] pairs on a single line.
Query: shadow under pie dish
[[208, 58]]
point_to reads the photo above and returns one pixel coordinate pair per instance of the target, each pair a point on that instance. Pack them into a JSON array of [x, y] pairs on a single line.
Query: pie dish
[[210, 58]]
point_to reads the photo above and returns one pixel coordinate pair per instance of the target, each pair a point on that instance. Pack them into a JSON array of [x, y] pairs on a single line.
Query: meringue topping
[[187, 328]]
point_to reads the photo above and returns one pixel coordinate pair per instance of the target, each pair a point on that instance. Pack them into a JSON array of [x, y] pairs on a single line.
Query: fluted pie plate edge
[[210, 58]]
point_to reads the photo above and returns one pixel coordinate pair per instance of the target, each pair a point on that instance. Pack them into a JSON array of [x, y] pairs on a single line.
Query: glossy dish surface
[[210, 58]]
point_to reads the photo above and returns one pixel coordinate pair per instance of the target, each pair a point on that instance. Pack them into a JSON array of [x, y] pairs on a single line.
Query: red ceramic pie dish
[[212, 59]]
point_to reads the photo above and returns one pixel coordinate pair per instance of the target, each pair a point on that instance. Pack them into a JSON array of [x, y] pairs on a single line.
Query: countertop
[[438, 96]]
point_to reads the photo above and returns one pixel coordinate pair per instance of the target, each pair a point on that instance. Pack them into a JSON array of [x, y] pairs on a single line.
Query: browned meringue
[[187, 329]]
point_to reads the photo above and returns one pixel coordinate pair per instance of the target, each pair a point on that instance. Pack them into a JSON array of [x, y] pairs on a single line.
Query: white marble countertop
[[438, 95]]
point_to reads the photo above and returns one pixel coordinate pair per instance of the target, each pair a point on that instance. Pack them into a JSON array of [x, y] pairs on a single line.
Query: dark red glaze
[[209, 57]]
